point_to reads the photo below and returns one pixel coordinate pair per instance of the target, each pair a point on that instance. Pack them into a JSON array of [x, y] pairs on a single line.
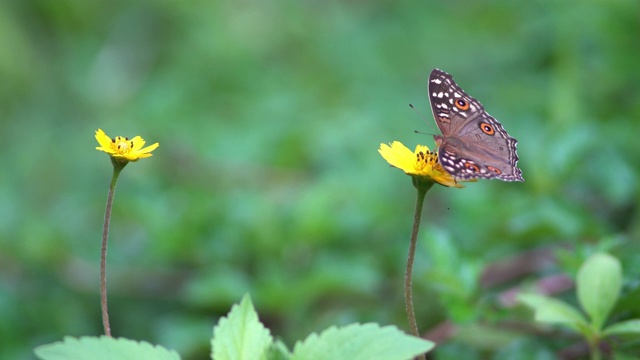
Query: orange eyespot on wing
[[487, 128], [462, 104], [471, 167], [494, 170]]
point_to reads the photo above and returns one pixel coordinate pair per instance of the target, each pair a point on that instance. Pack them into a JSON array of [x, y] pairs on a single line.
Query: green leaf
[[598, 284], [623, 327], [555, 311], [486, 336], [103, 348], [361, 342], [278, 351], [240, 335]]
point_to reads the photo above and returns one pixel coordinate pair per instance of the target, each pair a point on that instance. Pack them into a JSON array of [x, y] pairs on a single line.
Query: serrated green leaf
[[240, 335], [103, 348], [361, 342], [554, 311], [278, 351], [623, 327], [598, 285]]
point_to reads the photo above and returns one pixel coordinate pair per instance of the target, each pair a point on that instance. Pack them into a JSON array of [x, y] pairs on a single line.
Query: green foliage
[[361, 342], [623, 328], [453, 276], [241, 336], [555, 311], [598, 287], [599, 282], [103, 348]]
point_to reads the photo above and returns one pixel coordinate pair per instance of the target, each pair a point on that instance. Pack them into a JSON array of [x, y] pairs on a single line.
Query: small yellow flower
[[421, 163], [122, 149]]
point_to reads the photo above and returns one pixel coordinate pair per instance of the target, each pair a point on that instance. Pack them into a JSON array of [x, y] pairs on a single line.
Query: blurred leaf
[[104, 347], [361, 342], [453, 275], [623, 327], [598, 283], [485, 337], [622, 356], [525, 348], [240, 335], [554, 311], [441, 249]]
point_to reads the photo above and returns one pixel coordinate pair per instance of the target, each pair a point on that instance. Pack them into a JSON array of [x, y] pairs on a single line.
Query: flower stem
[[103, 251], [408, 296], [594, 349]]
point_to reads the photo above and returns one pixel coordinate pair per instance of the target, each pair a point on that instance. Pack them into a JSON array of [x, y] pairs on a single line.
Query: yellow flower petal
[[398, 155], [149, 148], [421, 163], [138, 143], [103, 140]]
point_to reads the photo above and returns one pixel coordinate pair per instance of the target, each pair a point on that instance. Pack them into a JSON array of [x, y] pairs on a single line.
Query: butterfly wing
[[473, 144]]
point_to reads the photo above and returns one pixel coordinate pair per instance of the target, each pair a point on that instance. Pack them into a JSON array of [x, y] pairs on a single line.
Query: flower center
[[425, 159], [122, 145]]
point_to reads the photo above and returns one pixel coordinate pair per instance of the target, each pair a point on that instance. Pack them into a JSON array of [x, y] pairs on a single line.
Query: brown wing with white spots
[[473, 144]]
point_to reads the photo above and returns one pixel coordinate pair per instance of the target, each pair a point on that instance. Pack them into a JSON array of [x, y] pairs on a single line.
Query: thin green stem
[[594, 348], [408, 282], [103, 251]]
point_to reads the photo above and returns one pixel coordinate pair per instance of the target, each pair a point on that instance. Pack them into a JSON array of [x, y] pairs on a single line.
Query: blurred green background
[[267, 180]]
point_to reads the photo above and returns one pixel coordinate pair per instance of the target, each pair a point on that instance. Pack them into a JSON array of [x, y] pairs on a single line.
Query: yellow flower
[[122, 149], [421, 164]]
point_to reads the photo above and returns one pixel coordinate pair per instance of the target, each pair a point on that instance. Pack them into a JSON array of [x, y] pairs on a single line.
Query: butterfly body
[[473, 144]]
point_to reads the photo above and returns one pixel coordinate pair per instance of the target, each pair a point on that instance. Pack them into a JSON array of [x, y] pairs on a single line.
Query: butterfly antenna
[[417, 112], [423, 118]]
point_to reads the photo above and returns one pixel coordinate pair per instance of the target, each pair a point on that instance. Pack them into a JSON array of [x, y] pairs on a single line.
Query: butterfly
[[473, 143]]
